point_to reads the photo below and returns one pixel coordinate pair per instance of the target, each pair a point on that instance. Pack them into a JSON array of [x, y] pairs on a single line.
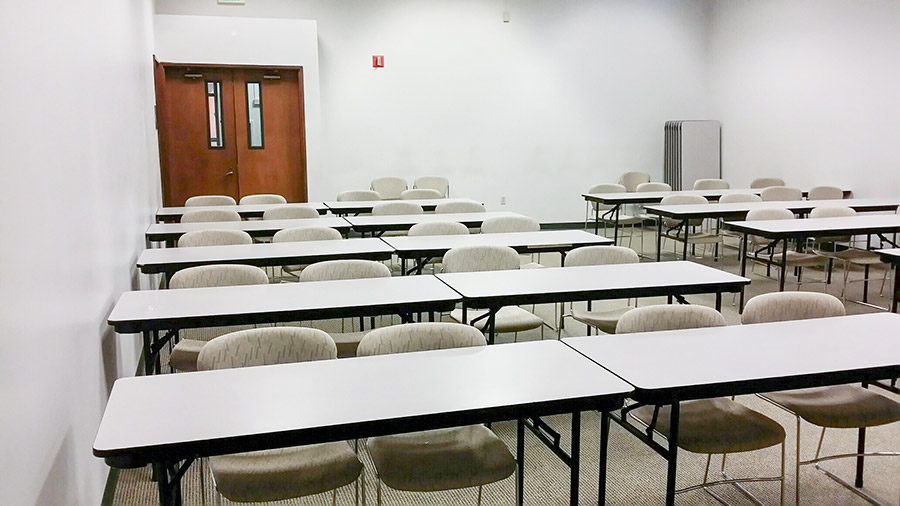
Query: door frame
[[159, 78]]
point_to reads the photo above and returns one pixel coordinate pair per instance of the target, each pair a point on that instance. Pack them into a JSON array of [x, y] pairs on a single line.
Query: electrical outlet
[[502, 200]]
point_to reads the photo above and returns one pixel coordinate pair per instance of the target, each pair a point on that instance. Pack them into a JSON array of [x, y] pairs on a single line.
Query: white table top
[[262, 254], [812, 227], [169, 214], [737, 359], [256, 228], [889, 254], [738, 209], [252, 408], [137, 311], [405, 221], [544, 240], [365, 206], [563, 284], [650, 197]]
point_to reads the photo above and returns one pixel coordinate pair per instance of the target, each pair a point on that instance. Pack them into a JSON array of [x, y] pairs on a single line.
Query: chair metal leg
[[377, 490], [797, 466], [202, 480]]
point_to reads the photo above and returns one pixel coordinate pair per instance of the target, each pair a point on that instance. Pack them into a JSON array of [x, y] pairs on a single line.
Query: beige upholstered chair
[[825, 193], [507, 224], [630, 180], [438, 228], [842, 406], [653, 187], [781, 193], [604, 321], [711, 184], [739, 197], [213, 238], [833, 249], [490, 258], [459, 207], [358, 195], [209, 200], [624, 218], [209, 215], [262, 198], [348, 339], [685, 233], [759, 245], [284, 473], [389, 188], [393, 208], [421, 193], [290, 213], [709, 426], [765, 182], [304, 234], [441, 459], [184, 353], [438, 183]]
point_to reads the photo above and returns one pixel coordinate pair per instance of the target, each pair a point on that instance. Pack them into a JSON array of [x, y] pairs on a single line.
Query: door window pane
[[254, 116], [214, 113]]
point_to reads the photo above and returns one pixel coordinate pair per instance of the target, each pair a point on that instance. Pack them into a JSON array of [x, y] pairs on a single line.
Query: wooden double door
[[230, 131]]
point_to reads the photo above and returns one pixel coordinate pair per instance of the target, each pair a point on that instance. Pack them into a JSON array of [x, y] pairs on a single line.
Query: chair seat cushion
[[442, 459], [717, 426], [841, 406], [508, 319], [284, 473], [184, 355], [347, 342], [604, 320]]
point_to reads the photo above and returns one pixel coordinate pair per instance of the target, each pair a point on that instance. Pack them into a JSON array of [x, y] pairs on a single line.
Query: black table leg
[[520, 461], [169, 485], [896, 288], [597, 219], [860, 448], [576, 457], [604, 444], [865, 297], [743, 268], [491, 325], [684, 227], [659, 229], [148, 355], [783, 275], [616, 224], [673, 454], [719, 301]]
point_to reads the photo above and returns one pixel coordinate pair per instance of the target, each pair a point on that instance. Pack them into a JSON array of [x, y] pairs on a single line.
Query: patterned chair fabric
[[438, 228], [668, 317], [344, 269], [213, 238], [209, 215], [394, 208], [421, 193], [605, 188], [739, 197], [679, 200], [459, 207], [480, 258], [631, 180], [776, 193], [785, 306], [184, 354], [209, 200], [711, 184], [438, 183], [263, 198], [765, 182], [284, 473], [307, 234], [419, 337], [358, 195], [601, 255], [503, 224], [653, 187], [770, 213], [290, 213], [389, 188], [832, 211], [825, 193]]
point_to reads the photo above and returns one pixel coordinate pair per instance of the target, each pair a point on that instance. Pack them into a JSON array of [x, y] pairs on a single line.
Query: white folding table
[[365, 206], [377, 225], [170, 232], [173, 214]]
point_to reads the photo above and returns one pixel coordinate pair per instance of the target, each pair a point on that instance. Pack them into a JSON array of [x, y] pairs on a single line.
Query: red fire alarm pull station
[[378, 61]]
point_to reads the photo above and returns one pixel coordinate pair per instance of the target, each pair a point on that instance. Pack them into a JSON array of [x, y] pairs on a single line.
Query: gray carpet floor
[[636, 475]]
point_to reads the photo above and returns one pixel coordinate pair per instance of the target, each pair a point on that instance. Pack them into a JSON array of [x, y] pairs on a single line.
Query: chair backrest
[[832, 212], [389, 188], [410, 337], [209, 200], [392, 208], [344, 269], [480, 258], [607, 188], [739, 197], [459, 207], [307, 234], [438, 183], [679, 200], [438, 228], [711, 184], [290, 213], [358, 195], [773, 193], [668, 317], [825, 193], [630, 180], [421, 193], [784, 306], [266, 346], [205, 276], [262, 198], [209, 215], [653, 187], [770, 213], [601, 255], [501, 224], [213, 238], [765, 182]]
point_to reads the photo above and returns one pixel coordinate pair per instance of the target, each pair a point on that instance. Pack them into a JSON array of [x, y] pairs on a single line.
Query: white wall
[[568, 94], [80, 182], [808, 90]]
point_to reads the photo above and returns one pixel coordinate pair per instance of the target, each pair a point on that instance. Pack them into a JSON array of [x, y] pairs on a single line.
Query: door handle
[[229, 173]]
